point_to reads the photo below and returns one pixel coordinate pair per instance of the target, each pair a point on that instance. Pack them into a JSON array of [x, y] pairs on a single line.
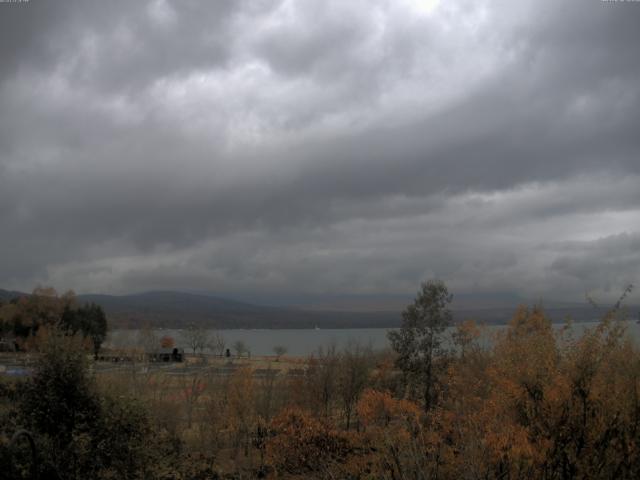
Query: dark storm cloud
[[611, 261], [342, 146], [117, 45]]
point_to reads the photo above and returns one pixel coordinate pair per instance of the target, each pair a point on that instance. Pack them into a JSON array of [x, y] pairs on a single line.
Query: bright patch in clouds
[[424, 7]]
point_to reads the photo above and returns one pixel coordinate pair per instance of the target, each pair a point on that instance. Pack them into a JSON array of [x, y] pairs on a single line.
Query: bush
[[81, 434], [300, 444]]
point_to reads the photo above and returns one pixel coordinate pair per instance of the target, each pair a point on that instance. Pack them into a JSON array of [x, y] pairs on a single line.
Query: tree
[[167, 342], [196, 338], [419, 340], [45, 308], [321, 379], [303, 445], [79, 432], [353, 377], [26, 314], [240, 347], [465, 337], [279, 350], [60, 397], [147, 339], [217, 344], [88, 320]]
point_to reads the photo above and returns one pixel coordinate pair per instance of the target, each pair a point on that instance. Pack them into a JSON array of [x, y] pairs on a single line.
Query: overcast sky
[[320, 146]]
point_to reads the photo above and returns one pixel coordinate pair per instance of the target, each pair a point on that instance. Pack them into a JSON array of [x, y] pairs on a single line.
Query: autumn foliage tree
[[167, 342], [542, 403], [25, 316], [301, 444]]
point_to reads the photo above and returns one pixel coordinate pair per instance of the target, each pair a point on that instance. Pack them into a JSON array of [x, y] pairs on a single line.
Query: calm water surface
[[305, 342]]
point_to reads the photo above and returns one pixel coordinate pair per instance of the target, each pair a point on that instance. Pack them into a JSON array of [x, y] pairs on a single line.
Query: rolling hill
[[178, 309]]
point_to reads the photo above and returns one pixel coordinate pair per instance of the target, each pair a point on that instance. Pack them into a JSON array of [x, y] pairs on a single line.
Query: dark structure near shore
[[167, 355]]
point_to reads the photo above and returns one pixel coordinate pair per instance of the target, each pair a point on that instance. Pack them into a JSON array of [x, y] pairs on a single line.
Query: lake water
[[305, 342]]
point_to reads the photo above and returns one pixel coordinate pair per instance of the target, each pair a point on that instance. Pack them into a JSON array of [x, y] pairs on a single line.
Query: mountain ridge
[[177, 309]]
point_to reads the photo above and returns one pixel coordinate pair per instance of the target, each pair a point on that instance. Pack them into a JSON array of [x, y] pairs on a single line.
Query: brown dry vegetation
[[539, 403]]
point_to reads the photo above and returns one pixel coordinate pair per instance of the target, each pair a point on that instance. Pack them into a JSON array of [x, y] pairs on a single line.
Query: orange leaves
[[549, 404], [466, 335], [167, 342], [302, 444], [535, 405], [380, 408], [375, 408]]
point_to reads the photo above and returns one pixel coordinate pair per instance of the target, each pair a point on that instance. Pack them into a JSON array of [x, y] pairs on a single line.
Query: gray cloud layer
[[335, 146]]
